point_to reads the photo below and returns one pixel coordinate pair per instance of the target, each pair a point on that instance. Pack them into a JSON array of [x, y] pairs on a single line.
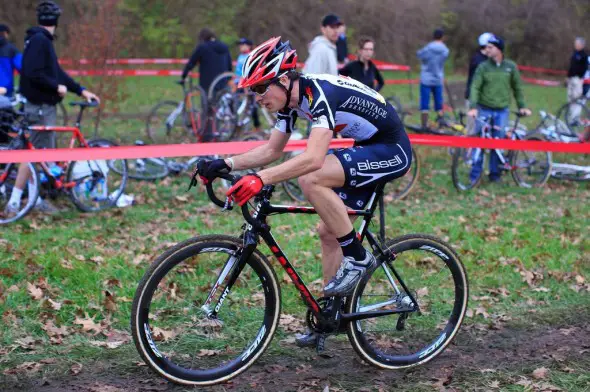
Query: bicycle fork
[[233, 268]]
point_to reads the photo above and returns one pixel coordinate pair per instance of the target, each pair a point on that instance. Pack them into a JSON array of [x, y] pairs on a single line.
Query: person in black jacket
[[212, 56], [44, 84], [363, 69], [478, 57], [576, 72]]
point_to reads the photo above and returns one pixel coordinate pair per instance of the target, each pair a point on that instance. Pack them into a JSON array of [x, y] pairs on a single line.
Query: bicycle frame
[[486, 132], [257, 227]]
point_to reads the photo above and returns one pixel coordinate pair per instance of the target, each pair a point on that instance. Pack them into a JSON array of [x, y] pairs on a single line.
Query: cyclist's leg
[[500, 117]]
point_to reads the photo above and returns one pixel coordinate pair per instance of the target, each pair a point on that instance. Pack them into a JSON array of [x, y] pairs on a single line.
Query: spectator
[[342, 46], [494, 81], [44, 84], [322, 50], [432, 57], [245, 46], [478, 57], [212, 56], [363, 69], [575, 76], [10, 60]]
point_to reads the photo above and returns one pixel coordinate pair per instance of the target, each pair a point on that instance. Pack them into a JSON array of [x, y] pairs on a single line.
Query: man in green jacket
[[493, 83]]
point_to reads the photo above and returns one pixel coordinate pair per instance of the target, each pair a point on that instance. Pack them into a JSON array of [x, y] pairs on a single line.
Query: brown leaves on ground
[[34, 291], [56, 334], [540, 373], [290, 323]]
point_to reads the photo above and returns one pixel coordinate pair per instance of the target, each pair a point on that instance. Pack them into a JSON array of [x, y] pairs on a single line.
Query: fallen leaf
[[88, 324], [109, 302], [290, 323], [97, 259], [76, 368], [34, 291], [181, 198], [25, 367], [207, 353], [160, 334], [540, 373]]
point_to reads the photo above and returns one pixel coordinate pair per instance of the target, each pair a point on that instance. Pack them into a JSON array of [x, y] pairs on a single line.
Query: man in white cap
[[478, 57]]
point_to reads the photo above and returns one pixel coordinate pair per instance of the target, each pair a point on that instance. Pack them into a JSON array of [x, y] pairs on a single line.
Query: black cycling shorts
[[365, 167]]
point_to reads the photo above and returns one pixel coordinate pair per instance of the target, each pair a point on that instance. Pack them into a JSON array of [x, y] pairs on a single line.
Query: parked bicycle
[[172, 122], [528, 168], [555, 129], [209, 307], [231, 108], [90, 184], [576, 115]]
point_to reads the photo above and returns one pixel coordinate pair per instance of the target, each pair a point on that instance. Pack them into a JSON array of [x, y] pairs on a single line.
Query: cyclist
[[494, 80], [363, 69], [331, 182], [44, 84], [10, 60], [245, 46]]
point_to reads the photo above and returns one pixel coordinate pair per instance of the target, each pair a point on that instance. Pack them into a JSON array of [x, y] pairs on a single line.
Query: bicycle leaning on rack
[[175, 122], [88, 183], [209, 307], [528, 168]]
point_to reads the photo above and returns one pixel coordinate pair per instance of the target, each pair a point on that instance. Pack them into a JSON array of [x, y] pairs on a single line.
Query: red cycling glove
[[245, 189]]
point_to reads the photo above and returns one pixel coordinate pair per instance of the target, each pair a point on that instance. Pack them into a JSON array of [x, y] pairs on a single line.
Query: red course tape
[[201, 149]]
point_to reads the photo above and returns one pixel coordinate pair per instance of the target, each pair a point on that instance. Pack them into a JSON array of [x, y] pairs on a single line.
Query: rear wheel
[[401, 187], [8, 174], [426, 285], [95, 185], [192, 329], [467, 168]]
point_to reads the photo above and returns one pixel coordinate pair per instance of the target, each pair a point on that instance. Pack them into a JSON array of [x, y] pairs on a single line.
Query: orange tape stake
[[203, 149]]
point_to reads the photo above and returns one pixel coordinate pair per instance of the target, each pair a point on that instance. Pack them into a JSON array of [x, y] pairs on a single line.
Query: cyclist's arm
[[476, 84], [517, 88], [263, 155], [70, 83], [194, 59], [310, 160]]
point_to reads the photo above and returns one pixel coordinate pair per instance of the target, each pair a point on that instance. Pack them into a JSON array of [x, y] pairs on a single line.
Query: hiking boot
[[349, 274]]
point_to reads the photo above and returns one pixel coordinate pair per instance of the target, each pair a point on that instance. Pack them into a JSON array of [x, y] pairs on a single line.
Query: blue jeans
[[436, 91], [499, 118]]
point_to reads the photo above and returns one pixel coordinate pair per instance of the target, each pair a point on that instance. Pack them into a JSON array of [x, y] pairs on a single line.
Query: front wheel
[[531, 168], [190, 326], [426, 285], [8, 175], [167, 124]]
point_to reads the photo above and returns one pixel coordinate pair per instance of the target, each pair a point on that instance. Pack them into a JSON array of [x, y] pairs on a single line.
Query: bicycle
[[575, 114], [231, 108], [528, 168], [87, 183], [554, 129], [175, 122], [208, 307]]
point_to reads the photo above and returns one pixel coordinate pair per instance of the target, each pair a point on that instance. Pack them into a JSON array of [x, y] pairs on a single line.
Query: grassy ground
[[66, 281]]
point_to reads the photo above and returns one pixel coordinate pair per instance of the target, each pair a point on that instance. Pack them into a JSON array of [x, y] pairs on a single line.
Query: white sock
[[15, 197]]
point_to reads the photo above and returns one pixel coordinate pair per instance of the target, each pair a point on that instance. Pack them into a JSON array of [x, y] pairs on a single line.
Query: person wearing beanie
[[432, 58], [10, 61], [495, 80], [44, 84]]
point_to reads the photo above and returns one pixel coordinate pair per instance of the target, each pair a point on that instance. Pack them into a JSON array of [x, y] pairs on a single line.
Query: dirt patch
[[474, 350]]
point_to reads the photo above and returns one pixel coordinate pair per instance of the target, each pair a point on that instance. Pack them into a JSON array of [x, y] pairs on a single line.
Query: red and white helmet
[[268, 61]]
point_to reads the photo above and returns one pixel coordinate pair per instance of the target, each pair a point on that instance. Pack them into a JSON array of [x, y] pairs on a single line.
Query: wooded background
[[537, 32]]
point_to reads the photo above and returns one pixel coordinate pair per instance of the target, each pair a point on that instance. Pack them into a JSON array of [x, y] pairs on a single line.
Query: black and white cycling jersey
[[345, 106]]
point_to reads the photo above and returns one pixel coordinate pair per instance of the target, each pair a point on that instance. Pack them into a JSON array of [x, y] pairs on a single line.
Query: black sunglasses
[[261, 89]]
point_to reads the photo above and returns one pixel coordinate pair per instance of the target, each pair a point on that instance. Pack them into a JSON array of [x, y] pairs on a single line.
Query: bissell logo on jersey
[[309, 95]]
